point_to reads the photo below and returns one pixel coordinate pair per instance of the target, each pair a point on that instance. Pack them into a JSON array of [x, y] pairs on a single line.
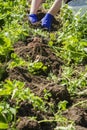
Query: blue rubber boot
[[33, 18], [46, 22]]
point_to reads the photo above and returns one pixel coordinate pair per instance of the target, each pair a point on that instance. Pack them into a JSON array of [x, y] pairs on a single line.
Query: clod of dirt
[[47, 126], [26, 109], [19, 73], [26, 124], [80, 128], [38, 83], [38, 51], [78, 115], [58, 93]]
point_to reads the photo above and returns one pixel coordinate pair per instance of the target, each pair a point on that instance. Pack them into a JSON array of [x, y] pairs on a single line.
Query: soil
[[36, 49]]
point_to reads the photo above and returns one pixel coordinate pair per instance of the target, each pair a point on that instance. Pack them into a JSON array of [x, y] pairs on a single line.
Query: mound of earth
[[79, 116], [36, 49]]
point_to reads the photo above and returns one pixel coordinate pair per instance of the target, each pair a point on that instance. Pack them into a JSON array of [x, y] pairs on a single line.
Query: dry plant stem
[[42, 121], [79, 103], [84, 92]]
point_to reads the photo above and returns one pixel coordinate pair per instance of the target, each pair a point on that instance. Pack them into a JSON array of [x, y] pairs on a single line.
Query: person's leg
[[55, 7], [34, 6], [47, 20], [33, 11]]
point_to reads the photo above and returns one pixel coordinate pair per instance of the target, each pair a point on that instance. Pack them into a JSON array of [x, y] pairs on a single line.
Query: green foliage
[[12, 27], [15, 91], [61, 119], [47, 94], [46, 5], [5, 47], [3, 125], [16, 61], [74, 79], [72, 36], [7, 114], [62, 105], [33, 67], [52, 77], [37, 68], [11, 10]]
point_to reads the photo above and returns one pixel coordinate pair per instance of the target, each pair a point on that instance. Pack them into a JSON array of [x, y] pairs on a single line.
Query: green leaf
[[3, 125]]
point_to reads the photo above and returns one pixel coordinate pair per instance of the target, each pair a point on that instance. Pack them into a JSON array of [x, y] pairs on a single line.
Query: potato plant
[[68, 42]]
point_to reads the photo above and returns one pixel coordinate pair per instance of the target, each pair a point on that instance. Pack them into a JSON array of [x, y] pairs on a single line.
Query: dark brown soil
[[35, 49], [38, 51], [26, 124], [80, 128], [78, 115]]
